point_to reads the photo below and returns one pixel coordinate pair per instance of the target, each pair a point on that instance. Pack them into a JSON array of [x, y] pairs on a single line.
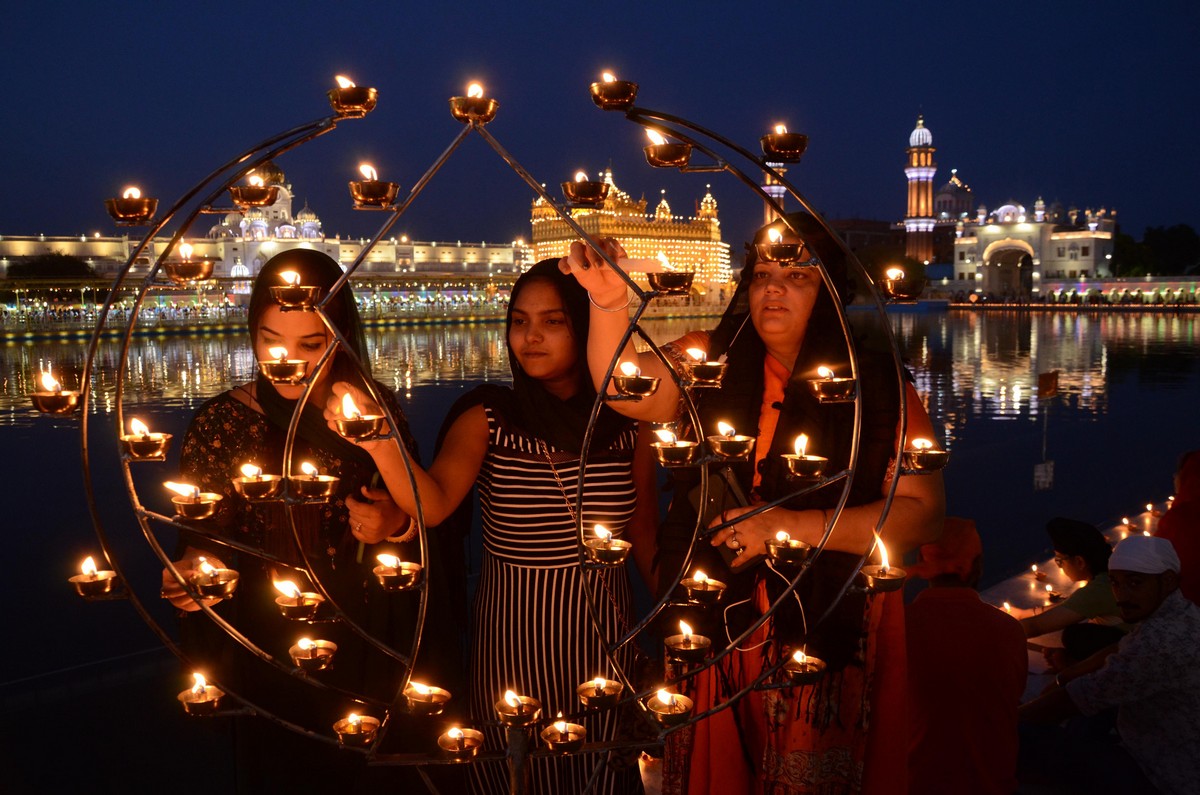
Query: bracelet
[[1058, 680], [405, 534], [628, 301]]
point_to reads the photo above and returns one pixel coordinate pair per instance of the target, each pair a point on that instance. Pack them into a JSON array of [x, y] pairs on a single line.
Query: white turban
[[1145, 555]]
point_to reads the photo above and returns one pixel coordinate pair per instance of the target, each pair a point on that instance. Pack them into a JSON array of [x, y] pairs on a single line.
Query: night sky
[[1088, 103]]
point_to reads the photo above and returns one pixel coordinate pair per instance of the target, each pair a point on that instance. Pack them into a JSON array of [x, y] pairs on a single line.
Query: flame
[[665, 436], [895, 274], [455, 733], [1149, 506], [699, 577], [780, 129], [581, 176], [801, 444], [608, 77], [686, 630], [251, 471], [603, 533], [354, 720], [698, 354], [600, 682], [200, 684], [883, 554], [774, 235], [343, 81], [185, 250], [390, 561], [560, 725], [88, 568], [254, 180], [287, 588], [667, 699], [290, 277], [1049, 588], [305, 644], [278, 352], [1125, 520], [725, 429], [349, 409], [655, 137], [308, 469], [630, 369], [1146, 533], [782, 537], [512, 699], [922, 444], [368, 172], [206, 568], [475, 90], [138, 428], [662, 257], [824, 372], [1033, 568], [50, 383], [420, 689], [1007, 607], [800, 657], [131, 193], [183, 489]]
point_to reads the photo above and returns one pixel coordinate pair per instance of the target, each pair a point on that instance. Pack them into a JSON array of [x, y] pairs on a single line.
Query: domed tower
[[663, 211], [919, 220], [708, 205]]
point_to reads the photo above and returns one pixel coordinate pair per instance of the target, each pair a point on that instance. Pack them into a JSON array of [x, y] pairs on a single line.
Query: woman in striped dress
[[533, 632]]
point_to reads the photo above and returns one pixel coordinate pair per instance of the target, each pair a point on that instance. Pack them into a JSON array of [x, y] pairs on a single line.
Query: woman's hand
[[606, 288], [366, 406], [377, 517], [749, 536], [176, 594]]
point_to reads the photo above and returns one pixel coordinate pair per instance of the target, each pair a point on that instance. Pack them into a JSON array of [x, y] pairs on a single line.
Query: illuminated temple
[[689, 243]]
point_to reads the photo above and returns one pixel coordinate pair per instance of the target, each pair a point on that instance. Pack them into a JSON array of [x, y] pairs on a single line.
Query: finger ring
[[733, 542], [358, 527]]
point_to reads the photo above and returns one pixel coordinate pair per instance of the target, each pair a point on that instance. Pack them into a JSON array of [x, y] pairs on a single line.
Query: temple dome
[[920, 136], [271, 173]]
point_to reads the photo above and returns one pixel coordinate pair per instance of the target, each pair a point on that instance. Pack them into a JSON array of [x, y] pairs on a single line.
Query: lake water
[[1107, 444]]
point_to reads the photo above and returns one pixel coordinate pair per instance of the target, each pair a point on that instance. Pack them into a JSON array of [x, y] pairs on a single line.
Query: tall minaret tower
[[775, 191], [918, 221]]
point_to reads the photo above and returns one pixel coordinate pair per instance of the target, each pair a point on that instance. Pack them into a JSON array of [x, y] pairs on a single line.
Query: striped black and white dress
[[533, 631]]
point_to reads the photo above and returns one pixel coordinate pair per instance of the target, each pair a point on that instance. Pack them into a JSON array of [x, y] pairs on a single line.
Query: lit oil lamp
[[201, 698], [460, 744], [700, 371], [191, 503], [585, 192], [666, 280], [370, 192], [672, 451], [782, 146], [664, 154], [90, 583], [424, 699], [292, 295], [255, 193], [702, 589], [142, 445], [804, 466], [355, 425], [802, 669], [1038, 574], [356, 731], [295, 604], [474, 107], [898, 287], [279, 369], [53, 399], [311, 485], [829, 388], [395, 574], [600, 693], [186, 270], [883, 578], [784, 247], [562, 737], [669, 709], [787, 550], [728, 444], [632, 384], [254, 485], [212, 582], [350, 101], [604, 549], [1007, 608], [514, 710], [1052, 595], [312, 655], [131, 209], [922, 456], [687, 647], [609, 93]]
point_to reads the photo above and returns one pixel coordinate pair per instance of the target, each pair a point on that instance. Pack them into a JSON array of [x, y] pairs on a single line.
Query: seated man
[[1082, 553], [966, 673], [1152, 679]]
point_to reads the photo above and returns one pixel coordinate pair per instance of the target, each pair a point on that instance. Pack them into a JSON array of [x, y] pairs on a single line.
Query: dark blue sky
[[1089, 103]]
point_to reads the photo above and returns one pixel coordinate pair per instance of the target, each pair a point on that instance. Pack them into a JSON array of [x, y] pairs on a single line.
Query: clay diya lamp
[[600, 693], [311, 485], [1052, 595], [312, 655], [674, 452], [669, 709], [702, 589], [255, 486], [516, 711], [921, 456], [782, 146], [212, 582], [666, 154], [882, 578], [562, 737], [131, 209], [461, 745], [370, 192], [142, 445], [52, 398], [356, 731], [787, 550], [585, 192], [474, 107], [186, 270], [90, 583], [829, 388], [1037, 573], [425, 700], [687, 647], [395, 574], [728, 445], [803, 466], [292, 295], [632, 384], [803, 669], [201, 698], [700, 371], [355, 425], [350, 101], [255, 193], [297, 605], [191, 503], [899, 288], [609, 93], [604, 549], [279, 369]]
